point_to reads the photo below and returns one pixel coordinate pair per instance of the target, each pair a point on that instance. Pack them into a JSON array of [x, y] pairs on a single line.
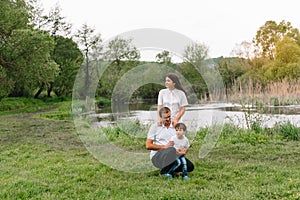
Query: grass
[[41, 157]]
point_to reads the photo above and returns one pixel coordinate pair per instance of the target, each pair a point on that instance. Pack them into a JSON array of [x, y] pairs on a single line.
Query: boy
[[181, 143]]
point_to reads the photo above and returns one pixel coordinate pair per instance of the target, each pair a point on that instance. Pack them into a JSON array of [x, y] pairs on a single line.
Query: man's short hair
[[164, 110]]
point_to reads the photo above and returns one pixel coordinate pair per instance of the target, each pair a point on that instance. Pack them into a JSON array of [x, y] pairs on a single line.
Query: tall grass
[[274, 93]]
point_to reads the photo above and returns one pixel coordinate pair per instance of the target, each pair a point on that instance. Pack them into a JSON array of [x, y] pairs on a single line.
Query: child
[[181, 143]]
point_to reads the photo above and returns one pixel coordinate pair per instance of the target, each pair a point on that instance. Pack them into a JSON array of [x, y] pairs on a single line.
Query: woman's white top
[[173, 99]]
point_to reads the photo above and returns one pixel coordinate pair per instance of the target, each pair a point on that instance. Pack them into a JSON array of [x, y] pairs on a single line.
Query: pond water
[[206, 115]]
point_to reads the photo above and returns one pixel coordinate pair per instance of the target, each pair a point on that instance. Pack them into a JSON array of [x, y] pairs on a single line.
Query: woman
[[173, 97]]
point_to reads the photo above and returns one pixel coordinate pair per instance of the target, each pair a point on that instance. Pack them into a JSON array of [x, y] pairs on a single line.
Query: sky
[[219, 24]]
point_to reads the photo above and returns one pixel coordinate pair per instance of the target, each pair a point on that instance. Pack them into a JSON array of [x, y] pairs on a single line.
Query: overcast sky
[[219, 24]]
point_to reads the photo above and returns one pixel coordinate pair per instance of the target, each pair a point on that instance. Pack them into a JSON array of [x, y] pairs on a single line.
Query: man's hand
[[170, 144]]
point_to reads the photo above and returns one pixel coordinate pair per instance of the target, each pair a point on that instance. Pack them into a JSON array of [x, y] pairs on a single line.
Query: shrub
[[288, 131]]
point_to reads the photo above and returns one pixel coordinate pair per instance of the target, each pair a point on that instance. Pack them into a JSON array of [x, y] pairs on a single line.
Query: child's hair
[[180, 126]]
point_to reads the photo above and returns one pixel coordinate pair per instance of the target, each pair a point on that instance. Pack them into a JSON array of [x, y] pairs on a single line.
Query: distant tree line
[[40, 55]]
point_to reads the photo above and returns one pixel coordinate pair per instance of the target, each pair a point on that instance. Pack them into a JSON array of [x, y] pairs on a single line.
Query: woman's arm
[[179, 115]]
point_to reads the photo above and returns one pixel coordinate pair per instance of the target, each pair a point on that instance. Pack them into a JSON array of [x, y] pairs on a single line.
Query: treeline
[[40, 55]]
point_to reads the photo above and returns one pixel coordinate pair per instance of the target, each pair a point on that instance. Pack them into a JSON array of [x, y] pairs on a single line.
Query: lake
[[204, 115]]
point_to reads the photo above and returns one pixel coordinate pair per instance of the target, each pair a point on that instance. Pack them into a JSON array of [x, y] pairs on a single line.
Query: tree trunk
[[49, 90], [39, 92]]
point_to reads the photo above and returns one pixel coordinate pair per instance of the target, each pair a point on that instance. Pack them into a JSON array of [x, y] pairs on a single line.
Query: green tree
[[24, 52], [269, 34], [164, 57], [121, 49], [28, 52], [14, 15], [287, 61], [69, 58], [54, 23], [287, 50], [6, 85], [89, 42], [194, 65], [195, 54], [231, 69]]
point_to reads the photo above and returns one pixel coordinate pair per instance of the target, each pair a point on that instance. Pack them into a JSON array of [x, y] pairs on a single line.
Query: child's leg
[[176, 164], [184, 166]]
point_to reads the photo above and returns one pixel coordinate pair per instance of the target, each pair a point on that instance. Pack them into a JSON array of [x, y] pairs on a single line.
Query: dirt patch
[[28, 127]]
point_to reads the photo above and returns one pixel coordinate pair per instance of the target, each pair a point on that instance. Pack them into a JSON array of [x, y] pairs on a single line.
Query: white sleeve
[[160, 98], [152, 132], [183, 100], [187, 143]]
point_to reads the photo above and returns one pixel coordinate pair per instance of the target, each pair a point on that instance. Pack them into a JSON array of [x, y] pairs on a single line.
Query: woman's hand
[[174, 122], [159, 122]]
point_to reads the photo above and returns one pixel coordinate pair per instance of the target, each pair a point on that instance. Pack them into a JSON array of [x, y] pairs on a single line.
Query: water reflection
[[197, 116]]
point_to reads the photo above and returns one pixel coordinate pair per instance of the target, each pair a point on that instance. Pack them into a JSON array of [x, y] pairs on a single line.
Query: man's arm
[[151, 146]]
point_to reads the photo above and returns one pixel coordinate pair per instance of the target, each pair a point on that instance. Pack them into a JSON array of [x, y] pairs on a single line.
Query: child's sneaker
[[186, 178], [169, 176]]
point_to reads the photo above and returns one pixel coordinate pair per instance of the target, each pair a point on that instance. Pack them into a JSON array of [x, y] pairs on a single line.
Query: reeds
[[274, 93]]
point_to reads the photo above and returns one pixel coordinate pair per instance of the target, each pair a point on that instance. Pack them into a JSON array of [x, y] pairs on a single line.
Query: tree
[[14, 15], [121, 49], [231, 69], [196, 53], [24, 52], [6, 85], [53, 22], [194, 58], [69, 58], [28, 52], [89, 41], [287, 61], [269, 34], [57, 26], [243, 50], [163, 57], [287, 50]]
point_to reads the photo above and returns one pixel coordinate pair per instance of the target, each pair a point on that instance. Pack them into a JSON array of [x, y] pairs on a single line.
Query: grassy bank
[[41, 157]]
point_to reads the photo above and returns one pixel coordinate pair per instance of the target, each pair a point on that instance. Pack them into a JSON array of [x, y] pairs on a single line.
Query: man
[[162, 154]]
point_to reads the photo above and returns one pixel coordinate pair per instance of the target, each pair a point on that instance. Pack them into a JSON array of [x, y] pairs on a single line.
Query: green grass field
[[43, 158]]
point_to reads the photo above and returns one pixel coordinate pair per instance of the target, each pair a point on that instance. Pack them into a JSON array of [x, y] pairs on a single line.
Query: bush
[[288, 131]]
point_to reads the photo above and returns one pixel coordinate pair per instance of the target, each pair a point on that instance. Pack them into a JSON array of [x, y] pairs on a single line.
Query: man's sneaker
[[169, 176], [186, 178]]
